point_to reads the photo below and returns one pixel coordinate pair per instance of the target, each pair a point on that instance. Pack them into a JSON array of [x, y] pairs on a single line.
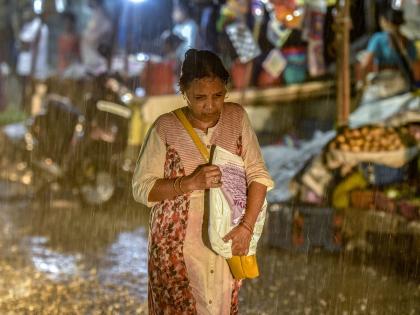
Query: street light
[[396, 4], [60, 5], [38, 4]]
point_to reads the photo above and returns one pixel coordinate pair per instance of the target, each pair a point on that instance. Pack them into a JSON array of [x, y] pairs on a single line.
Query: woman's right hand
[[204, 177]]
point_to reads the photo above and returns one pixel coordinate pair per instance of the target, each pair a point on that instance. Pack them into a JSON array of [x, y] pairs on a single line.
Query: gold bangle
[[180, 183], [174, 185]]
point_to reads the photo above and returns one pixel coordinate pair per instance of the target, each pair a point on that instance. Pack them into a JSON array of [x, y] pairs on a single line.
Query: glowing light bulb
[[38, 4]]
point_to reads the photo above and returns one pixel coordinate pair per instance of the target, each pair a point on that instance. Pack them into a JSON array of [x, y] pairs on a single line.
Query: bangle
[[174, 185], [247, 226], [180, 183]]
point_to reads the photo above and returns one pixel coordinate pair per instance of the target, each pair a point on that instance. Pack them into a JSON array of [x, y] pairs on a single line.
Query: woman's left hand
[[241, 237]]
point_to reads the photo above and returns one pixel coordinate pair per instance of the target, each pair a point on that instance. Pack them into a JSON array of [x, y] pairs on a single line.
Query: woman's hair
[[393, 16], [199, 64]]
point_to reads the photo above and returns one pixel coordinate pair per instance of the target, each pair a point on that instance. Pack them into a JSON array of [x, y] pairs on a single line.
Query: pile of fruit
[[372, 139]]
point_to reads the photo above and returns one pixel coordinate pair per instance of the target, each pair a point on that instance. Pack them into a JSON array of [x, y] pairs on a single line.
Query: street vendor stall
[[362, 188], [384, 177], [364, 182]]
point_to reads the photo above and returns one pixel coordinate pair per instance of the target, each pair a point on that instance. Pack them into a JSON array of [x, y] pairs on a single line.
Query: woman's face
[[205, 98], [387, 25]]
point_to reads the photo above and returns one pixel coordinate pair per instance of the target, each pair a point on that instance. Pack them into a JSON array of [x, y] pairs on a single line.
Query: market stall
[[362, 187], [274, 50], [379, 189]]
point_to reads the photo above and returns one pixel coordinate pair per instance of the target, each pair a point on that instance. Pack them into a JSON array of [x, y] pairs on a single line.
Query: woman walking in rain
[[185, 276]]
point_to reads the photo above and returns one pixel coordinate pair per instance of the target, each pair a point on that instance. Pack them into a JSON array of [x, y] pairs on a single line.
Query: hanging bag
[[221, 217]]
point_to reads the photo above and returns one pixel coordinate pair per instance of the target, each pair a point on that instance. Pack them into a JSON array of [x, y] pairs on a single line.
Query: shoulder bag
[[241, 267]]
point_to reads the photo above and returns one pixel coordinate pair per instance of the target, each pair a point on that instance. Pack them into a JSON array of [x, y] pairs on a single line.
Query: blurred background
[[331, 89]]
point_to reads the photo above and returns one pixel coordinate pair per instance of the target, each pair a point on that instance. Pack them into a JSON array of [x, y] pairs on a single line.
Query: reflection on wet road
[[63, 259], [67, 260]]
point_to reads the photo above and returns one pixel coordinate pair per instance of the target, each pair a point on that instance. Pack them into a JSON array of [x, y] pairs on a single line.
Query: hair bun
[[191, 51], [199, 64]]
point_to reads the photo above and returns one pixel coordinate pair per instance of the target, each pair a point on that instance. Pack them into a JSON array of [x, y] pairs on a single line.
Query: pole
[[258, 18], [343, 57]]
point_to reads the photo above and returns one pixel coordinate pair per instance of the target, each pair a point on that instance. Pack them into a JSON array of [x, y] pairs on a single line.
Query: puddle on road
[[72, 260], [123, 264], [98, 259], [64, 243], [126, 259], [55, 265]]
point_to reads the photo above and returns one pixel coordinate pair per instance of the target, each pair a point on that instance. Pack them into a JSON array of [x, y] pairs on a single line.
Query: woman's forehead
[[207, 83]]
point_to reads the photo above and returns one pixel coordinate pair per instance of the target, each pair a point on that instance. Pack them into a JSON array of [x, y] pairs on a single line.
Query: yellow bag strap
[[196, 139], [241, 266]]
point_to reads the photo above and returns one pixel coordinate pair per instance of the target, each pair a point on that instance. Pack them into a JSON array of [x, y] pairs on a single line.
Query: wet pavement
[[57, 258]]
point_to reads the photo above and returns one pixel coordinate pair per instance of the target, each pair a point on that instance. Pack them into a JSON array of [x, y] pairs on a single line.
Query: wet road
[[62, 259]]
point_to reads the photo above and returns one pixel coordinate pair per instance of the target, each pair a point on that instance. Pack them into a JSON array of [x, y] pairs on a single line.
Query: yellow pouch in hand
[[243, 267]]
